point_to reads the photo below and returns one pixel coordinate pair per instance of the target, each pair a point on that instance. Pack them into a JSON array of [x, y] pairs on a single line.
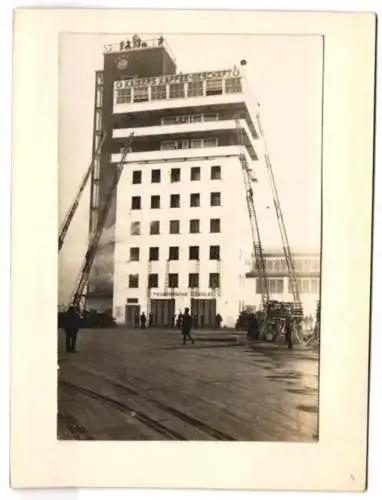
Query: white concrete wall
[[234, 224]]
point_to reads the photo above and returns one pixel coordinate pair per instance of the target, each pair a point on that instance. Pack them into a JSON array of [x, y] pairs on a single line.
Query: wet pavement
[[145, 385]]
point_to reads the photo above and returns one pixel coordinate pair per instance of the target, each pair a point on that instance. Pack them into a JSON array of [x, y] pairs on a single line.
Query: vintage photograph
[[189, 247]]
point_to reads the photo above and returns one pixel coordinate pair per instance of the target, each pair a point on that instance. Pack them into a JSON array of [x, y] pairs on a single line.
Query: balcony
[[160, 156], [184, 128]]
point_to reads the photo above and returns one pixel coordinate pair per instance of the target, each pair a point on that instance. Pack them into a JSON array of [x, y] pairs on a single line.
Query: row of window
[[173, 253], [178, 90], [276, 285], [215, 201], [174, 227], [175, 174], [211, 142], [173, 280], [181, 119], [279, 264]]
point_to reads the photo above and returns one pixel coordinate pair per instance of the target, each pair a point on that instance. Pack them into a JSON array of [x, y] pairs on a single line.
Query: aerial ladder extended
[[279, 214], [73, 208], [78, 296], [255, 230]]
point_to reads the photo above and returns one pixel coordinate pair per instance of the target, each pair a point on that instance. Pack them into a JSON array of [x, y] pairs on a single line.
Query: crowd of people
[[176, 321]]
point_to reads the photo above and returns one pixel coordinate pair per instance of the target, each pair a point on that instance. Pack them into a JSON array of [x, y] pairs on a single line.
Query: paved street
[[143, 384]]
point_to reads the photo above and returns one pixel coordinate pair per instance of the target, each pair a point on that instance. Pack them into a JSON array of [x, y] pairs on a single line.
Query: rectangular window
[[97, 167], [210, 143], [123, 95], [196, 143], [173, 253], [215, 199], [168, 145], [195, 89], [305, 288], [135, 228], [194, 253], [99, 98], [276, 286], [158, 92], [155, 175], [195, 200], [136, 203], [214, 86], [232, 85], [95, 200], [154, 227], [215, 252], [210, 117], [133, 281], [134, 253], [260, 285], [153, 281], [141, 94], [153, 253], [196, 118], [155, 201], [215, 172], [173, 281], [98, 120], [137, 177], [175, 201], [214, 280], [175, 175], [194, 226], [195, 173], [214, 225], [193, 280], [314, 285], [174, 227], [176, 90]]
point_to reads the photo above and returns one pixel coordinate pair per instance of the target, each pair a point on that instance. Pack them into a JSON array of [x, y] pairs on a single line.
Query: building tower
[[179, 233]]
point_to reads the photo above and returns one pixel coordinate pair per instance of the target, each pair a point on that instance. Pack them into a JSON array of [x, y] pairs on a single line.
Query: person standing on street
[[288, 332], [218, 321], [186, 326], [71, 325], [143, 320]]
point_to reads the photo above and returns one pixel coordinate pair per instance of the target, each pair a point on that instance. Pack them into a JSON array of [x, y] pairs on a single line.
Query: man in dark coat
[[143, 320], [72, 322], [186, 326], [289, 332], [253, 327]]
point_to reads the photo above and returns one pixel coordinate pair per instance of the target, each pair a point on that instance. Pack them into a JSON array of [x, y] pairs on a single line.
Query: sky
[[284, 74]]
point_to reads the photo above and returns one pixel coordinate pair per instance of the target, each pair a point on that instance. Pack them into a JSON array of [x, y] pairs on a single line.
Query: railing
[[137, 44]]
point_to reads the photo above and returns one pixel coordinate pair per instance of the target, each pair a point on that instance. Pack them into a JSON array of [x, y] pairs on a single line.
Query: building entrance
[[203, 312], [132, 314], [163, 311]]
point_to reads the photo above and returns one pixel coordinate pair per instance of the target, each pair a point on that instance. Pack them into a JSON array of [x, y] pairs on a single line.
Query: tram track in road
[[205, 428], [124, 408]]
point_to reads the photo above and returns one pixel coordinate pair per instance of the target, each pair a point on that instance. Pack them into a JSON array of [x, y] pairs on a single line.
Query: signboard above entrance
[[188, 293]]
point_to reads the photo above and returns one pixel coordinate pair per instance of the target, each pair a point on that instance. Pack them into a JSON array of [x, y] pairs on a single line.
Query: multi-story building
[[178, 234], [307, 271]]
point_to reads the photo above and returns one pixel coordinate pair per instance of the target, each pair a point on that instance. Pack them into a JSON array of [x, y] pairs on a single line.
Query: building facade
[[307, 270], [178, 234]]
